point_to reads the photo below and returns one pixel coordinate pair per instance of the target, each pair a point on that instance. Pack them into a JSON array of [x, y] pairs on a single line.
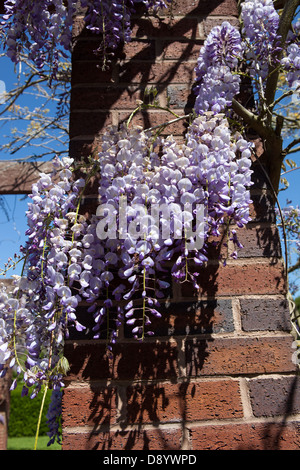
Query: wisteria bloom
[[260, 24], [216, 69]]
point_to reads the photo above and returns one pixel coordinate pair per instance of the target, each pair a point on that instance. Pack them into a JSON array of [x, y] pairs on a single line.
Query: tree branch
[[294, 267], [289, 147], [251, 119]]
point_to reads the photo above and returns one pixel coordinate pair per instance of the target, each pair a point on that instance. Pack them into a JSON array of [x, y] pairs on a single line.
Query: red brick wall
[[227, 380], [4, 409]]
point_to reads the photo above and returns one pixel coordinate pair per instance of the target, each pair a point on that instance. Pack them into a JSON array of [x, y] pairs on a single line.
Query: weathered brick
[[180, 50], [262, 208], [157, 73], [166, 28], [180, 96], [241, 277], [275, 396], [132, 439], [189, 318], [242, 355], [188, 401], [150, 119], [259, 241], [250, 436], [90, 405], [105, 98], [203, 7], [261, 314], [132, 360]]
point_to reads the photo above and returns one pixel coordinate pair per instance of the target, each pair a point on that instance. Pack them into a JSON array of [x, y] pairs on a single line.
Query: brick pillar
[[4, 409], [218, 374]]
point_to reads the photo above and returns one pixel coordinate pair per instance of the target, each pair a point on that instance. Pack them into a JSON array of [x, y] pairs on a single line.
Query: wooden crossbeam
[[18, 177]]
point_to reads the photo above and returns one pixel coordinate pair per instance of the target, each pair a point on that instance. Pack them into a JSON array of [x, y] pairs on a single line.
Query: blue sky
[[12, 213]]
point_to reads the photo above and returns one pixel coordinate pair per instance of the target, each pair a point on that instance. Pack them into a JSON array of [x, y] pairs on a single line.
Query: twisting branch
[[250, 119], [289, 147]]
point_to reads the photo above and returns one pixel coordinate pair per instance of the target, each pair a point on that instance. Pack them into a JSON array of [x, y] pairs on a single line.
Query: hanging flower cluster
[[159, 201], [70, 259], [227, 50], [260, 24], [44, 28], [216, 69], [150, 190], [119, 262]]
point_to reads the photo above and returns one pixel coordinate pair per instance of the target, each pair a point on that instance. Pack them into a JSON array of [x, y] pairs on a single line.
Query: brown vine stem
[[186, 116]]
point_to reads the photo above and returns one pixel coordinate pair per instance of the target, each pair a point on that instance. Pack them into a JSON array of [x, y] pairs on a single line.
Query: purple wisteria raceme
[[126, 255], [260, 25], [291, 64], [39, 311], [216, 71], [54, 416], [44, 28], [151, 190]]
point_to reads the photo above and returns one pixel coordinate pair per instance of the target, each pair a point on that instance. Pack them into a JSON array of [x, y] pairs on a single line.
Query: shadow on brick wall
[[100, 98]]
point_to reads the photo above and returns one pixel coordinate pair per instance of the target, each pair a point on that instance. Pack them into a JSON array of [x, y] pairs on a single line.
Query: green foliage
[[24, 413]]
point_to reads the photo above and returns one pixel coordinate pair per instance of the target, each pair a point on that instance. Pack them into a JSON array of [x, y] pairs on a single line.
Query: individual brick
[[91, 405], [273, 396], [180, 50], [203, 7], [259, 241], [138, 49], [211, 21], [165, 402], [189, 318], [265, 314], [132, 360], [250, 436], [240, 355], [262, 208], [132, 439], [247, 278], [180, 96], [105, 98]]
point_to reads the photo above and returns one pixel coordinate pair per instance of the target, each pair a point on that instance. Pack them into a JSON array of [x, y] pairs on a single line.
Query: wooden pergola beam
[[18, 177]]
